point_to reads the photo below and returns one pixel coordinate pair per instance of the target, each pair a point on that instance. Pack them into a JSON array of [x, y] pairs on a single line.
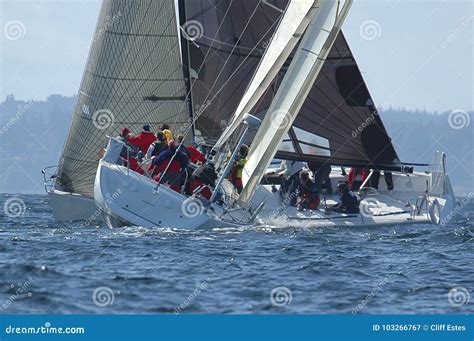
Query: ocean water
[[49, 267]]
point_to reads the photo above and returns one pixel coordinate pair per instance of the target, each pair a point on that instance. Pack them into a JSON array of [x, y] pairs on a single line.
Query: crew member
[[237, 168], [308, 193], [289, 172], [144, 139], [348, 201], [321, 172], [356, 178], [156, 147], [177, 162], [193, 153]]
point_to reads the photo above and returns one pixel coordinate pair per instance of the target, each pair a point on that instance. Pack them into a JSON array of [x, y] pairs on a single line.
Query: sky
[[414, 54]]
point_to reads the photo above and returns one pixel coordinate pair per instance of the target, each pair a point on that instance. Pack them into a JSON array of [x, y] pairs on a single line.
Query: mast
[[300, 77]]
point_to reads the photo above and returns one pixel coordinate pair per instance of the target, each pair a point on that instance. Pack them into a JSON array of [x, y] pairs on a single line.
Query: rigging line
[[233, 48], [188, 94], [205, 100], [232, 75], [229, 78]]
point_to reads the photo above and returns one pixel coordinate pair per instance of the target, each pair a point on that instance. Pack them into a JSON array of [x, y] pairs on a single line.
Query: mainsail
[[229, 40], [134, 75], [141, 70], [145, 67]]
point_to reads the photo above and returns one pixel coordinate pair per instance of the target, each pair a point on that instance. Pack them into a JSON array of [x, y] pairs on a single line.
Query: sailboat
[[301, 98]]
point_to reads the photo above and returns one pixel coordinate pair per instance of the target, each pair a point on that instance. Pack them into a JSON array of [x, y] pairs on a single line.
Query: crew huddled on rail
[[184, 169]]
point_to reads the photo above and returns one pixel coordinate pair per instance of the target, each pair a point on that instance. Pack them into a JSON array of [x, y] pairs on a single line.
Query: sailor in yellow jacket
[[237, 168]]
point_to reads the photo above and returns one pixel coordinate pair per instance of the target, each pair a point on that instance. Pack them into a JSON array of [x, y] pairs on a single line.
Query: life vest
[[133, 165], [143, 140], [195, 155], [237, 169], [196, 183], [309, 197]]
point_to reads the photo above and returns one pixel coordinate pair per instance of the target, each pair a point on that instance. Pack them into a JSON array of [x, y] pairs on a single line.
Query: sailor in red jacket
[[356, 177], [144, 139]]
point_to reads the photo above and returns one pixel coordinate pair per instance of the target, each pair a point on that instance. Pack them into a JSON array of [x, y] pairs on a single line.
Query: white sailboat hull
[[72, 207], [381, 209], [132, 199], [126, 197]]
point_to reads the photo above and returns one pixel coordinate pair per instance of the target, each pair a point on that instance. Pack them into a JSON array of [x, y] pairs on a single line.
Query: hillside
[[32, 136]]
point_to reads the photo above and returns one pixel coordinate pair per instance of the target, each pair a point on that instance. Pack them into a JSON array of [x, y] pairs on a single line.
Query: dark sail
[[339, 122], [224, 57]]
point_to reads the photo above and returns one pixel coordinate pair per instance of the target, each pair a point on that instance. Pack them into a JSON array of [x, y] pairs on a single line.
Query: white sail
[[307, 62], [297, 16]]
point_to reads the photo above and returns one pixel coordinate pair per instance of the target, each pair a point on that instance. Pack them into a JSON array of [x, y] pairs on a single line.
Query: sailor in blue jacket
[[348, 200]]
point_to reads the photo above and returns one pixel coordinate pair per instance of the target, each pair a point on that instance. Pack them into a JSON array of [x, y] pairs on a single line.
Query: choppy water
[[47, 267]]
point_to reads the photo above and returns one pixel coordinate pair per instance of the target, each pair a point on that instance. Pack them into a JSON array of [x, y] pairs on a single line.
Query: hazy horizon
[[406, 63]]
